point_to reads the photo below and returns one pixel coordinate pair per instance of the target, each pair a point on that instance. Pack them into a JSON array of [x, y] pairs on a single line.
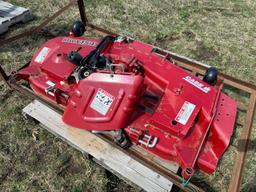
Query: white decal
[[185, 112], [102, 101], [79, 42], [50, 83], [42, 55], [197, 84]]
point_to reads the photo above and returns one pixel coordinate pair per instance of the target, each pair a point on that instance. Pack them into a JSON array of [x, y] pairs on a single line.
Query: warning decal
[[185, 112], [102, 102], [42, 55]]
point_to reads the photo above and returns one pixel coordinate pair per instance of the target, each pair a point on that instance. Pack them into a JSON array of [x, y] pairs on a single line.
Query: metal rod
[[81, 8], [3, 76]]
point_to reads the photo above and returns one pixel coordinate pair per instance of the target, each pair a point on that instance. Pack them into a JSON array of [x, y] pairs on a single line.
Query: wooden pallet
[[11, 14], [105, 154]]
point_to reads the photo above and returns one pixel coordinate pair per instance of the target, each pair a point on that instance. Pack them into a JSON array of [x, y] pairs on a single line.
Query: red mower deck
[[164, 109]]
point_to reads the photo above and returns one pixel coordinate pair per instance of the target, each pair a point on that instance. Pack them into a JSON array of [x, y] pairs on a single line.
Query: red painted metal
[[166, 110], [119, 94]]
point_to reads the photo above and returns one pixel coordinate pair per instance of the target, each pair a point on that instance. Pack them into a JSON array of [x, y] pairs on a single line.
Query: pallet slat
[[105, 153]]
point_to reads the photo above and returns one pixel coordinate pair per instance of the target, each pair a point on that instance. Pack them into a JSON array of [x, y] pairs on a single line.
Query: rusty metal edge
[[82, 12], [3, 76]]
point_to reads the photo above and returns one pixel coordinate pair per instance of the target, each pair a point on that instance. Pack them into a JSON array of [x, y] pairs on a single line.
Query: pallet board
[[105, 154], [11, 14]]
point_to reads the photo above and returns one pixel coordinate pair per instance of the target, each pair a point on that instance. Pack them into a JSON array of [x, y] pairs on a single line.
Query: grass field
[[219, 33]]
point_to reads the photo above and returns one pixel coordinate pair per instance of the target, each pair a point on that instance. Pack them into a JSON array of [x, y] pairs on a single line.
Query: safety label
[[102, 102], [185, 112], [42, 55]]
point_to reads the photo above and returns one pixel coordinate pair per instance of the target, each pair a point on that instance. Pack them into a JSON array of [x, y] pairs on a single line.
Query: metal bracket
[[150, 141]]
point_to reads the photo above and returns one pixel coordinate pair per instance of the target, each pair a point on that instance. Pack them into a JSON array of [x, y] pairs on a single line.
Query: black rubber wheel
[[211, 76], [78, 28]]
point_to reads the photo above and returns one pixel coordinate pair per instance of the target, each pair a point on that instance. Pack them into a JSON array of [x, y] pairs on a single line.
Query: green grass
[[219, 33]]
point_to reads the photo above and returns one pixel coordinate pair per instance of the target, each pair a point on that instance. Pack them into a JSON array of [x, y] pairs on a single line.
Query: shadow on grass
[[115, 184], [48, 32], [205, 186], [6, 95], [251, 146]]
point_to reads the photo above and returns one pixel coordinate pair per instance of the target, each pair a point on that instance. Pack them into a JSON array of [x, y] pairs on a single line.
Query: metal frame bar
[[3, 76], [194, 66]]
